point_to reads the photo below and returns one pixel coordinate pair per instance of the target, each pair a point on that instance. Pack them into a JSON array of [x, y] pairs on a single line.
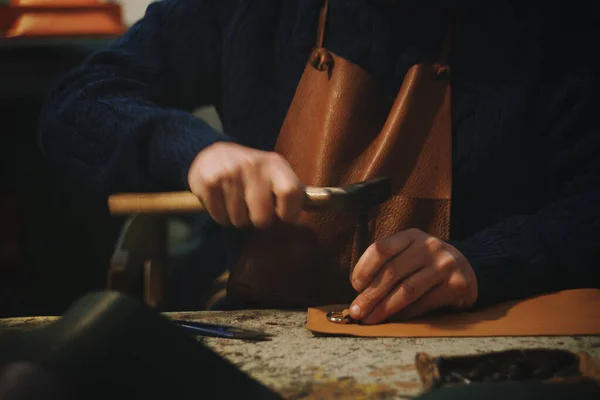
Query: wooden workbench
[[301, 366]]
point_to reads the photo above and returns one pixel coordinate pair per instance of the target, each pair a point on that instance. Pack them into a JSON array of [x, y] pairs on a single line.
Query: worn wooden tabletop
[[299, 365]]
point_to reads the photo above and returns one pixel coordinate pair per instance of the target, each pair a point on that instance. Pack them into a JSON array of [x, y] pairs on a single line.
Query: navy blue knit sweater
[[526, 164]]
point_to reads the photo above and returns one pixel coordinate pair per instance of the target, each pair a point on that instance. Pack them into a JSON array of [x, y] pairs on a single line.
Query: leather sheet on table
[[566, 313]]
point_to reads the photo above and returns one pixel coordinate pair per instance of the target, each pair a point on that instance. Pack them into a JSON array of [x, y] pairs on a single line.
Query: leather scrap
[[544, 365]]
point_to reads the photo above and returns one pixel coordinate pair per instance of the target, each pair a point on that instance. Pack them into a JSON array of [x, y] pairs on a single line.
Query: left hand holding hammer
[[409, 274]]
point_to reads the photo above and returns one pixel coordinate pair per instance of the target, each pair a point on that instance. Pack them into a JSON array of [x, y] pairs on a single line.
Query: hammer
[[353, 198]]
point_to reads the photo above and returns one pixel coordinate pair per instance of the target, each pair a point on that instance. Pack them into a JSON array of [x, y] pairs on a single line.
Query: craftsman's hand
[[409, 274], [242, 186]]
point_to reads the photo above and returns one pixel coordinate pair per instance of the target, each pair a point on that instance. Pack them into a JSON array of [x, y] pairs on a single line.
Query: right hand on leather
[[241, 186]]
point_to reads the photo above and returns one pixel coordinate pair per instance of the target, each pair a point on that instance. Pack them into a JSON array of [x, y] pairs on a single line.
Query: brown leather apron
[[341, 128]]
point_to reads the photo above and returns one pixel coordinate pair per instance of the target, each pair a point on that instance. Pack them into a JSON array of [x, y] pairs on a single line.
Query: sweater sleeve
[[558, 246], [554, 249], [122, 121]]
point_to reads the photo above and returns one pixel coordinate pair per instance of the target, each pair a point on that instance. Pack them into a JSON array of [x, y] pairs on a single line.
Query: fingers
[[243, 186], [272, 188], [439, 296], [258, 197], [235, 202], [214, 201], [377, 255], [411, 291], [428, 275], [288, 193], [388, 276]]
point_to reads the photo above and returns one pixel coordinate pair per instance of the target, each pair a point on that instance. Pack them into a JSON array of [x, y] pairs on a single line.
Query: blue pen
[[223, 331]]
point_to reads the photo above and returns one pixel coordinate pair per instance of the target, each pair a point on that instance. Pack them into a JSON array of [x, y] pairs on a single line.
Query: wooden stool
[[140, 265]]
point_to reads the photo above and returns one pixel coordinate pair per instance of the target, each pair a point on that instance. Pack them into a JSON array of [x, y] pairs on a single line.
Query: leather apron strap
[[446, 44], [322, 20]]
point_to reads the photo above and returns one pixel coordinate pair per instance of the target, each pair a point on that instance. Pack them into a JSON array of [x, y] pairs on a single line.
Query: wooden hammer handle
[[154, 203], [187, 202]]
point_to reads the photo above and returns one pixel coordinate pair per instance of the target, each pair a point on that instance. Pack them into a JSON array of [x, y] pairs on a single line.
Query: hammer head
[[356, 197]]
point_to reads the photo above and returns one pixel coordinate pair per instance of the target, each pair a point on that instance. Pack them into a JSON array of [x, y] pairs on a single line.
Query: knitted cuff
[[497, 276]]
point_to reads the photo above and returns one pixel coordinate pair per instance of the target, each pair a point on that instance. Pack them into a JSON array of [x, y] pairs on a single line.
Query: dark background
[[63, 237]]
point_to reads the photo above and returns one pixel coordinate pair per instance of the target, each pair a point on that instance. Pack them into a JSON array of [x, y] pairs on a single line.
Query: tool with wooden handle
[[356, 197]]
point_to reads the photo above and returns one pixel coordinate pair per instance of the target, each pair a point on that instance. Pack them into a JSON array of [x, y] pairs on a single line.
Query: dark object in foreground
[[109, 345]]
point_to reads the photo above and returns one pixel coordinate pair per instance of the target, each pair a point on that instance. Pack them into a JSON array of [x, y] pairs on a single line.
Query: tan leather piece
[[342, 128], [63, 18], [56, 3], [53, 24], [568, 313]]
